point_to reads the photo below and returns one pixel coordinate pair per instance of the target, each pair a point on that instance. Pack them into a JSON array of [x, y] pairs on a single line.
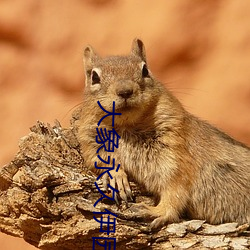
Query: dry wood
[[47, 196]]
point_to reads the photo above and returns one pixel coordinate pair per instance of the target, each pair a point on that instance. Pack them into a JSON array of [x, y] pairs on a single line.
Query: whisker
[[71, 109]]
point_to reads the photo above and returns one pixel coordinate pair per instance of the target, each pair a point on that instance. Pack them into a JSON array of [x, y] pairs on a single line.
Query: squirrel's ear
[[138, 49], [89, 57]]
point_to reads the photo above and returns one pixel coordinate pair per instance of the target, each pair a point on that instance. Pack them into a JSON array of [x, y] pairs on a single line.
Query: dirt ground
[[200, 49]]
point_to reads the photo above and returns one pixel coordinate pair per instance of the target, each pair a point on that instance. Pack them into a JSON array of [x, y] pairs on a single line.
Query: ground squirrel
[[190, 166]]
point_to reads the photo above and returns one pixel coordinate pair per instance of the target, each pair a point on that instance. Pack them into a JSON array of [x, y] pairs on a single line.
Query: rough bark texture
[[47, 196]]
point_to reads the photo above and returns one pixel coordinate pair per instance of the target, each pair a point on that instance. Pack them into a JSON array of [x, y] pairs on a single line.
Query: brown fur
[[191, 166]]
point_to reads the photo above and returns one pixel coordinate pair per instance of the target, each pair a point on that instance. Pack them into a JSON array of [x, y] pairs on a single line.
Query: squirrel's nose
[[125, 93]]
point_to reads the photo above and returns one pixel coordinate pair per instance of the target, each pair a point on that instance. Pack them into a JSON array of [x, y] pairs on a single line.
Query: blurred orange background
[[200, 49]]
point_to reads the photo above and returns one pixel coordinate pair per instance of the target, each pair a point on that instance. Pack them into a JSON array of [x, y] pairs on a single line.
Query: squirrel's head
[[126, 80]]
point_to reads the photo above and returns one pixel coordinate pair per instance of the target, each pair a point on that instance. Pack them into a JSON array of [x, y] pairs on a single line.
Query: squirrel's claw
[[105, 182], [127, 188], [158, 223], [119, 182]]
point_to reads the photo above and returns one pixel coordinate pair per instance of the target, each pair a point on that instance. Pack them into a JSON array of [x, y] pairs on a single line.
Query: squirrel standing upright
[[190, 166]]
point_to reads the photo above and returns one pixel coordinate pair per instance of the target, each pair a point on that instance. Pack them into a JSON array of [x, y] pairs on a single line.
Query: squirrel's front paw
[[120, 182], [160, 215], [158, 223], [142, 211], [139, 207]]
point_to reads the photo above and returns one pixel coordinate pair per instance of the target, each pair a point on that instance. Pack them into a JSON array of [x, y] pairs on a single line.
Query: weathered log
[[47, 196]]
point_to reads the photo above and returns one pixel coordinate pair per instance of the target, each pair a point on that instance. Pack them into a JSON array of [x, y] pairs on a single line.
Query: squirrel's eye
[[145, 72], [95, 78]]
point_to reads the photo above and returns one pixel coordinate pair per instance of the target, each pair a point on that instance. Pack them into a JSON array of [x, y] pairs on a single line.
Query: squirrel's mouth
[[125, 105]]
